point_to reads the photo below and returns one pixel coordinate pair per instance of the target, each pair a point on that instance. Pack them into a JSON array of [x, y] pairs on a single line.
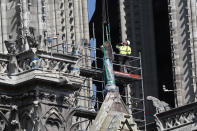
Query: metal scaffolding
[[130, 84]]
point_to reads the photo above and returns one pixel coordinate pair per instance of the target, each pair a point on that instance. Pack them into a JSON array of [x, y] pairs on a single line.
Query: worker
[[124, 50]]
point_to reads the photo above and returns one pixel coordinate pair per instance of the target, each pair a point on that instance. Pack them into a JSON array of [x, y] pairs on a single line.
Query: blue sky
[[91, 8]]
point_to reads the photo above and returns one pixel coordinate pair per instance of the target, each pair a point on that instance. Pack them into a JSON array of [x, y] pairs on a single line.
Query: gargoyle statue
[[11, 47], [160, 106]]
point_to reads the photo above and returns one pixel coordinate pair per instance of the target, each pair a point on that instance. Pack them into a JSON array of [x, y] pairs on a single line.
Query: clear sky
[[91, 8]]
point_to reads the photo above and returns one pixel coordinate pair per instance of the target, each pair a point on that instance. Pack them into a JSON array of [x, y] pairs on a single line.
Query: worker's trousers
[[123, 61]]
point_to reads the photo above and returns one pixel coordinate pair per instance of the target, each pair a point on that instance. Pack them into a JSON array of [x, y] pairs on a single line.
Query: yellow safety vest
[[124, 50]]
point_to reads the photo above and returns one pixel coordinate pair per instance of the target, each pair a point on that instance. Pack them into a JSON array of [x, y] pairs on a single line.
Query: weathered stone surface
[[160, 106], [113, 115], [178, 119], [39, 80]]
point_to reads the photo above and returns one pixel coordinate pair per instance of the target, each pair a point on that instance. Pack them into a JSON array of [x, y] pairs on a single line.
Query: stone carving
[[55, 65], [160, 106], [34, 60], [4, 99], [2, 124], [4, 120], [30, 118], [13, 67], [24, 63], [23, 29], [54, 121], [70, 99], [32, 40], [46, 96], [25, 34], [11, 45], [3, 67], [27, 122], [15, 125], [179, 117], [18, 63]]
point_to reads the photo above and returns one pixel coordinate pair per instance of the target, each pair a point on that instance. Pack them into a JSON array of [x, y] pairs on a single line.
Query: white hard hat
[[128, 42]]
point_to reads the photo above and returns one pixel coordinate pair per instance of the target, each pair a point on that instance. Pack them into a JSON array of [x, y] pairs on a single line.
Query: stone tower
[[138, 23], [40, 44], [183, 38]]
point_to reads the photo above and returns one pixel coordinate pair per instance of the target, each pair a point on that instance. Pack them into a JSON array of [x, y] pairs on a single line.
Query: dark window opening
[[163, 50]]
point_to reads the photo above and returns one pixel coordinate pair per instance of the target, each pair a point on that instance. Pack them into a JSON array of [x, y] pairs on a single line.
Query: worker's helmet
[[128, 42]]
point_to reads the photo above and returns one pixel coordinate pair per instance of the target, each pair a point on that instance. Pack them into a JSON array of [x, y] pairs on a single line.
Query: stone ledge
[[38, 74]]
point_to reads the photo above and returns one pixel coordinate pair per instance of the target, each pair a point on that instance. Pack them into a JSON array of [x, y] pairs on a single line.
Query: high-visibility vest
[[124, 50]]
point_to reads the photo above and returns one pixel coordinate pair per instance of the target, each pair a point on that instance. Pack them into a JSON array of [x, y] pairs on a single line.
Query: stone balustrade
[[28, 65], [183, 117]]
